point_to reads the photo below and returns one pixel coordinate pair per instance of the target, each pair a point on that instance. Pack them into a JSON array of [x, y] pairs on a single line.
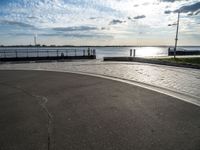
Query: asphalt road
[[60, 111]]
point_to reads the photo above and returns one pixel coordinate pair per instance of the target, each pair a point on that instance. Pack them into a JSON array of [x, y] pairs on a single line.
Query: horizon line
[[43, 45]]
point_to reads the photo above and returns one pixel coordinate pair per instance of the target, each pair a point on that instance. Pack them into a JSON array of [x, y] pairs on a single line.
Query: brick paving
[[182, 80]]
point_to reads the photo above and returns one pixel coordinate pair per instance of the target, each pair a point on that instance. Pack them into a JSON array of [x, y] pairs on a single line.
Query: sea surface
[[139, 51], [100, 51]]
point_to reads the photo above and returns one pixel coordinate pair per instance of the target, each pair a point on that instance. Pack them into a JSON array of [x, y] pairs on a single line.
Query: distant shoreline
[[92, 46]]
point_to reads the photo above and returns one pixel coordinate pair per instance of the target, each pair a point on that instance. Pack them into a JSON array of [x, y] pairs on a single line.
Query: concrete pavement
[[181, 80], [51, 110]]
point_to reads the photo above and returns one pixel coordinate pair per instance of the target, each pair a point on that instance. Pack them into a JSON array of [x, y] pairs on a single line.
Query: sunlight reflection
[[150, 51]]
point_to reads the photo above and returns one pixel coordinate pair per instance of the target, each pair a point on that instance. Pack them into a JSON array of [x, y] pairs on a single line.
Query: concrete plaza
[[51, 110]]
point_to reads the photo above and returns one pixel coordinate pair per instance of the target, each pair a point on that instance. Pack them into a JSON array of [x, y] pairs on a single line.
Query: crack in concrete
[[42, 102]]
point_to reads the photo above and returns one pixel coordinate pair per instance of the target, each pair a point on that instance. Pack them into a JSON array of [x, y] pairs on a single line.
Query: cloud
[[193, 9], [67, 35], [52, 13], [140, 17], [189, 8], [76, 35], [171, 1], [145, 4], [197, 12], [32, 17], [92, 18], [15, 23], [20, 34], [75, 28], [105, 28], [87, 18], [95, 18], [116, 21], [88, 35], [167, 0]]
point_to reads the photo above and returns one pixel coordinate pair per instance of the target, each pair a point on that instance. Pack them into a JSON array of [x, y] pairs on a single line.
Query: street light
[[176, 39]]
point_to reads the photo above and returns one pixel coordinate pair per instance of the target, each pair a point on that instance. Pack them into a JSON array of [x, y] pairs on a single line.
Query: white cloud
[[48, 14]]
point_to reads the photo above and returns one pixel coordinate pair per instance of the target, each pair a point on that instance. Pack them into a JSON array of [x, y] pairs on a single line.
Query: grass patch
[[190, 60]]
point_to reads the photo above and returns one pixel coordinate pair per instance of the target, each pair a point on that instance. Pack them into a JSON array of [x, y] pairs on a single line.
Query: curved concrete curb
[[182, 96]]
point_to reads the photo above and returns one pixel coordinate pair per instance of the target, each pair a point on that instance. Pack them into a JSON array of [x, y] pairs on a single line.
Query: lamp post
[[176, 38]]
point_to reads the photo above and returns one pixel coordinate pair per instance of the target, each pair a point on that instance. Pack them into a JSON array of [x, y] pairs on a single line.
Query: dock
[[183, 52]]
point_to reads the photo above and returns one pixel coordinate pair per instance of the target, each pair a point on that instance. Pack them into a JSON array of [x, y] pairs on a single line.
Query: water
[[125, 51], [106, 51], [140, 51]]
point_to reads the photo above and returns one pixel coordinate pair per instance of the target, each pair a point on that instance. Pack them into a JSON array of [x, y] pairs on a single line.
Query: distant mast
[[35, 39]]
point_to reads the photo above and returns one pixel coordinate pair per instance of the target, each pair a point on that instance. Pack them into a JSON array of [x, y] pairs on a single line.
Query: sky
[[99, 22]]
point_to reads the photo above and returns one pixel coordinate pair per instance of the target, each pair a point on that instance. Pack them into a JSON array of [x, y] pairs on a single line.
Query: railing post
[[75, 52], [16, 54], [66, 53], [27, 53], [94, 52], [131, 52], [37, 53], [88, 52], [4, 54], [83, 52], [134, 52]]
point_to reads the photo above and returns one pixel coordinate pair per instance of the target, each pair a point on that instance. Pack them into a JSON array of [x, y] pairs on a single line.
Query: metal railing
[[44, 52]]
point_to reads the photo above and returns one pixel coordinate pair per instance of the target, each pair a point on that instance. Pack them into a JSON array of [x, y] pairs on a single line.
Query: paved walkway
[[183, 80], [51, 110]]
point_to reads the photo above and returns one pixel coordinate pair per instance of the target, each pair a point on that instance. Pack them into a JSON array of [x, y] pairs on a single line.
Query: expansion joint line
[[42, 102]]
